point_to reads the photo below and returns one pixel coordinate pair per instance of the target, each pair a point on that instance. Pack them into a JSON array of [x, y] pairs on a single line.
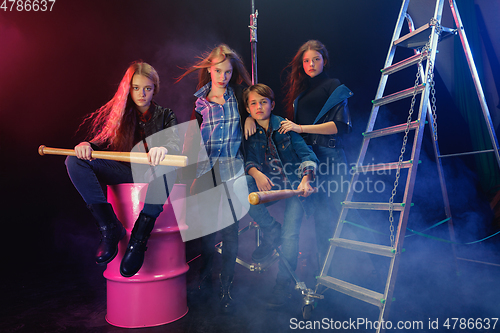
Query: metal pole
[[475, 78], [253, 41]]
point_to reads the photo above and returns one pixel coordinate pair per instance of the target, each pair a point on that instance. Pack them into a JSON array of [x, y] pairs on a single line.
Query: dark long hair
[[296, 81]]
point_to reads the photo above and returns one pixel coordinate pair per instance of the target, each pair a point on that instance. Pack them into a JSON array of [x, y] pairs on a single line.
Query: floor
[[69, 295]]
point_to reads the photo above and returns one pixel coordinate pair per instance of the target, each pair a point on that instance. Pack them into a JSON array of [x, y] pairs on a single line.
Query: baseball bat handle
[[256, 198], [132, 157]]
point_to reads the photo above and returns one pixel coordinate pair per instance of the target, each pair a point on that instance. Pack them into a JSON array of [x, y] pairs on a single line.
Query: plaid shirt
[[221, 134]]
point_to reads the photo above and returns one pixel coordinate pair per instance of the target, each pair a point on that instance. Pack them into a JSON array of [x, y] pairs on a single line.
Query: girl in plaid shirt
[[220, 113]]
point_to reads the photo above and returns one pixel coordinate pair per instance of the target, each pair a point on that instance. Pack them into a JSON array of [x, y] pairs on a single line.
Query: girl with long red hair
[[123, 124]]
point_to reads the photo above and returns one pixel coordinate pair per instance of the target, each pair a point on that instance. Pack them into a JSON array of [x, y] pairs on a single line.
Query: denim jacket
[[294, 156]]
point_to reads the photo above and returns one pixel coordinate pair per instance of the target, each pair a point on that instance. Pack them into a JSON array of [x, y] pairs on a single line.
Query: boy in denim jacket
[[276, 161]]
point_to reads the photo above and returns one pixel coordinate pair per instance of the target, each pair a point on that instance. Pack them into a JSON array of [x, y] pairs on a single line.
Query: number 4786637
[[27, 5]]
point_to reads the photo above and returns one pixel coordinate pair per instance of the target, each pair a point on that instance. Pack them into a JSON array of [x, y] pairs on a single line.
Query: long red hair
[[113, 125]]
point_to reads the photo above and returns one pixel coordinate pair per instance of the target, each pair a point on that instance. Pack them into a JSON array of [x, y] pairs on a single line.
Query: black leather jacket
[[161, 119]]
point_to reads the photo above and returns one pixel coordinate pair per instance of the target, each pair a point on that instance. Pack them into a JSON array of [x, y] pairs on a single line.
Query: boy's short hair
[[260, 89]]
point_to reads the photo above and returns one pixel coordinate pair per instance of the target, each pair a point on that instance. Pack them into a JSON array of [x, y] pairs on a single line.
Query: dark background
[[58, 66]]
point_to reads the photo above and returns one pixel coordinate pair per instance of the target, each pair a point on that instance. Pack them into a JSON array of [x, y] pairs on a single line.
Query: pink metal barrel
[[156, 295]]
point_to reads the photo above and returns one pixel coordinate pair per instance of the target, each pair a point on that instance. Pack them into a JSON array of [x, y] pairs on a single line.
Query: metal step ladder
[[424, 40]]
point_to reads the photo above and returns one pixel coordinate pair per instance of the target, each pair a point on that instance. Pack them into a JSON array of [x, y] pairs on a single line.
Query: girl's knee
[[71, 161], [74, 163]]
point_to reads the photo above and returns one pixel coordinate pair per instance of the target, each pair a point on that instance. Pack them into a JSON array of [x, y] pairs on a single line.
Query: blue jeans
[[89, 177], [290, 229], [229, 234]]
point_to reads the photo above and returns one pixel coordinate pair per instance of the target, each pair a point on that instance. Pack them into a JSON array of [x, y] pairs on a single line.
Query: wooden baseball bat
[[142, 158], [256, 198]]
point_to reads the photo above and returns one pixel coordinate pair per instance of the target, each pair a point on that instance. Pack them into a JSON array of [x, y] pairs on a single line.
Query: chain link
[[403, 150], [430, 80]]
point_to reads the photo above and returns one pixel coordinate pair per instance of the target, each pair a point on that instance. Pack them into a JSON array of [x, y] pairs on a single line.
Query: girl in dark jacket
[[129, 121], [316, 108]]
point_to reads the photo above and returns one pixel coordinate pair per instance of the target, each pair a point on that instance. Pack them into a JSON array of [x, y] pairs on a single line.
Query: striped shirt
[[221, 134]]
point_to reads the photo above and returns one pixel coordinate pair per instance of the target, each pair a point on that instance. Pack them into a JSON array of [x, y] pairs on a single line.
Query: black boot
[[270, 241], [226, 301], [280, 294], [111, 232], [134, 255]]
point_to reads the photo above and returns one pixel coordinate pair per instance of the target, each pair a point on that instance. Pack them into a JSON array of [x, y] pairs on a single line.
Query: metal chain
[[403, 149], [430, 79]]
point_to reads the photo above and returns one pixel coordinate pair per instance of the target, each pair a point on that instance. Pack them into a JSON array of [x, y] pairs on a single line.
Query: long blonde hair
[[296, 80], [218, 55], [113, 125]]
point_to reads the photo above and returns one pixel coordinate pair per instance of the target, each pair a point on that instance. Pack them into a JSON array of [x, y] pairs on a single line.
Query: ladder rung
[[419, 37], [366, 295], [404, 63], [373, 205], [381, 166], [381, 250], [390, 130], [398, 95]]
